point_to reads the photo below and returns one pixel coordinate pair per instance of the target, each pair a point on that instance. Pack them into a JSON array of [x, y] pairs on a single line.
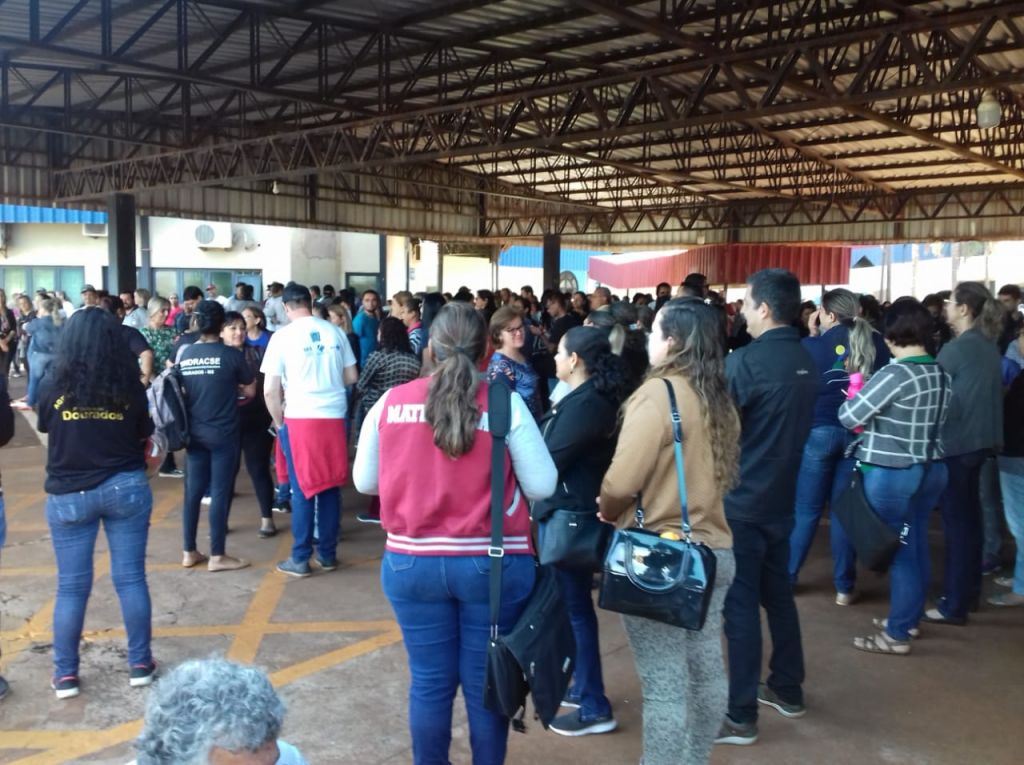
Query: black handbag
[[536, 657], [574, 539], [668, 580], [875, 541]]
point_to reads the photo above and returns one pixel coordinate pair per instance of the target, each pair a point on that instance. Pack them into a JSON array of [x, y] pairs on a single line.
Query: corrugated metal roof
[[29, 214]]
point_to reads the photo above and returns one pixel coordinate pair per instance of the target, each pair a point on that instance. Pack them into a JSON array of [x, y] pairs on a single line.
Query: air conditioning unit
[[212, 236], [94, 230]]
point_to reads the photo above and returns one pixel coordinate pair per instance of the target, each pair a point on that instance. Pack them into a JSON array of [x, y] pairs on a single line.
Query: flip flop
[[192, 559], [914, 632], [882, 643]]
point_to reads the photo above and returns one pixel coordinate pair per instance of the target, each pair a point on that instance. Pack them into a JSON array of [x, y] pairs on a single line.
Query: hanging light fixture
[[274, 189], [989, 112]]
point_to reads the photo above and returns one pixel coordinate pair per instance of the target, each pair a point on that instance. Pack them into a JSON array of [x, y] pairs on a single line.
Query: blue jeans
[[824, 472], [1011, 480], [38, 364], [961, 521], [124, 503], [906, 495], [320, 513], [588, 682], [441, 603], [212, 468], [3, 522], [762, 580]]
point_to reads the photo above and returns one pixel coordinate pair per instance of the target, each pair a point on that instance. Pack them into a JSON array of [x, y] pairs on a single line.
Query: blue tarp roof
[[29, 214], [526, 256], [901, 253]]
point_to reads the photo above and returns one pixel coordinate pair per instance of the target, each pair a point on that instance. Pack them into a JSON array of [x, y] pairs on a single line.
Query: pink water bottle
[[856, 383]]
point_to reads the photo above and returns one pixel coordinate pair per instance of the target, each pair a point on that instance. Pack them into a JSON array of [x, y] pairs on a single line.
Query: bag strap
[[677, 438], [499, 422]]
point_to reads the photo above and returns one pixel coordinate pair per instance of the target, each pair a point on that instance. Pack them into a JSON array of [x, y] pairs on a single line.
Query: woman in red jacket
[[424, 448]]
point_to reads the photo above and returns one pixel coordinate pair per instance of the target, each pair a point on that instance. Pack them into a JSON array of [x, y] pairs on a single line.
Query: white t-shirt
[[273, 309], [310, 356]]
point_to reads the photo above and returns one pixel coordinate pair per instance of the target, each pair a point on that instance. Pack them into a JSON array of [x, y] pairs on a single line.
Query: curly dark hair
[[394, 337], [94, 367]]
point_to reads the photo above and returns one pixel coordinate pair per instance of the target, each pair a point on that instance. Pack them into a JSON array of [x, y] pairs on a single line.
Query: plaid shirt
[[899, 408]]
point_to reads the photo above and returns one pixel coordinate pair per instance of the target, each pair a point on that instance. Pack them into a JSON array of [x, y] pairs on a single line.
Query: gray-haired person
[[214, 712]]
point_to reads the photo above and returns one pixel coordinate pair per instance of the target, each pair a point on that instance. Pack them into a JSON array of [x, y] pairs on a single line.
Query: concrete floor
[[334, 651]]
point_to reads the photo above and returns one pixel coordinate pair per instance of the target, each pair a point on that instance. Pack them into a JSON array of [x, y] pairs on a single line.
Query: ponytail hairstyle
[[846, 306], [986, 312], [697, 355], [53, 307], [604, 368], [458, 338], [209, 317]]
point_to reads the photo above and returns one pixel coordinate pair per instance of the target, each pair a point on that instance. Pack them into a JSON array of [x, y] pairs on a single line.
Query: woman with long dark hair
[[682, 673], [842, 344], [214, 378], [93, 407], [8, 335], [485, 304], [425, 450], [393, 363], [972, 434], [579, 432]]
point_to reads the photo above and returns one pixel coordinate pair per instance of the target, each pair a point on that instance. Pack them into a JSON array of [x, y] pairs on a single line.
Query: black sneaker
[[66, 687], [176, 473], [368, 518], [142, 675], [294, 568], [573, 724], [768, 697], [284, 506], [327, 565], [740, 734]]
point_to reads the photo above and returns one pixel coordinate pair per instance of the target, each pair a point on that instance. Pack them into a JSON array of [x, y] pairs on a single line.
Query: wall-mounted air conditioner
[[94, 230], [212, 236]]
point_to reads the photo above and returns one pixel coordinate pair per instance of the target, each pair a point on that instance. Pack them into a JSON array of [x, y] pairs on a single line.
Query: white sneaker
[[847, 598], [206, 500]]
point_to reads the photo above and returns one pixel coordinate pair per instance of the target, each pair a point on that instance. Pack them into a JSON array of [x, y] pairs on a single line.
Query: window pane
[[14, 282], [165, 281], [71, 281], [44, 278], [192, 278], [223, 281]]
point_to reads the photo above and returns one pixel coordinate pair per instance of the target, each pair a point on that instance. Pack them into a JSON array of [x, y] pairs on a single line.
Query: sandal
[[882, 643], [914, 632], [267, 531], [194, 558], [226, 563]]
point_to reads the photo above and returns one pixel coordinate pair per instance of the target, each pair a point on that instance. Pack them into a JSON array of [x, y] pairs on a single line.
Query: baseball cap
[[295, 293], [87, 288]]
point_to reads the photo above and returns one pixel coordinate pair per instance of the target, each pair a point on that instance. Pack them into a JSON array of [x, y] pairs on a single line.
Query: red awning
[[727, 264]]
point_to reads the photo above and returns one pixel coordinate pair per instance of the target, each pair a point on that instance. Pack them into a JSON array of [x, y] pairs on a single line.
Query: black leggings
[[257, 446]]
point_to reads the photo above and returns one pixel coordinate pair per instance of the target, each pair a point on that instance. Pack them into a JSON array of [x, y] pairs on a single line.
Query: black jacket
[[580, 432], [774, 382], [6, 413], [1013, 419]]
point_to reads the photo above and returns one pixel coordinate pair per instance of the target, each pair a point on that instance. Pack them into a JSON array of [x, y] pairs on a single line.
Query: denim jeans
[[441, 604], [3, 521], [209, 467], [38, 364], [991, 512], [898, 496], [123, 503], [762, 580], [319, 514], [961, 521], [823, 474], [1011, 480]]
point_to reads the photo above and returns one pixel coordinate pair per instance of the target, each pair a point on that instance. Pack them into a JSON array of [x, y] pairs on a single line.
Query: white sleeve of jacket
[[365, 469], [532, 464]]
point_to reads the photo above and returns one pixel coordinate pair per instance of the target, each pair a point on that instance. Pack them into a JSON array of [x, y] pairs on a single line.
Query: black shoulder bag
[[537, 655], [875, 541], [668, 580]]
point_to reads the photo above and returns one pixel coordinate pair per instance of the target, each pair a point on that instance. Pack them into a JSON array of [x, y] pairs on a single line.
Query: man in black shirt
[[774, 383]]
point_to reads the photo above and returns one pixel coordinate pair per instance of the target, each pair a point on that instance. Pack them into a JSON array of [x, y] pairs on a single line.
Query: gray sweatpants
[[682, 673]]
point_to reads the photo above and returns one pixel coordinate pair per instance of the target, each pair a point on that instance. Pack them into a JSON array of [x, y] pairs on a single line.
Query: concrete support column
[[552, 252], [120, 243]]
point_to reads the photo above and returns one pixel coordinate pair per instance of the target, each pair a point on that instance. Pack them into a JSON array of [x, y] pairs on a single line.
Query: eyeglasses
[[514, 330]]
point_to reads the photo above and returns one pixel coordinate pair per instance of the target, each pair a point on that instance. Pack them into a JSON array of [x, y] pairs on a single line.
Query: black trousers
[[257, 448], [762, 581]]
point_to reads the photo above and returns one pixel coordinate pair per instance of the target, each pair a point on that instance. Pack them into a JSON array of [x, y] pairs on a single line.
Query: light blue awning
[[30, 214]]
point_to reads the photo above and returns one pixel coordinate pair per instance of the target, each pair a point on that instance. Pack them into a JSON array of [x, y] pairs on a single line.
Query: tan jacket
[[645, 462]]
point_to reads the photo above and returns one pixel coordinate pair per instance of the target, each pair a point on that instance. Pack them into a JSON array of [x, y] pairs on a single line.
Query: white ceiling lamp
[[274, 189], [989, 112]]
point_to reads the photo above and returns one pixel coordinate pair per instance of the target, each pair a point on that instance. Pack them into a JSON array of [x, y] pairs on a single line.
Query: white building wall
[[1004, 265], [56, 244], [254, 248]]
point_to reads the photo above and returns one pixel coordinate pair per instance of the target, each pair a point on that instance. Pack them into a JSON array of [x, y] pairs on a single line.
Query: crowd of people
[[781, 402]]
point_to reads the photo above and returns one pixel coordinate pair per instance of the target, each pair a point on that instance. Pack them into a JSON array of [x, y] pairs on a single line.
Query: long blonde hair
[[457, 342], [53, 307], [987, 313], [697, 355], [846, 306]]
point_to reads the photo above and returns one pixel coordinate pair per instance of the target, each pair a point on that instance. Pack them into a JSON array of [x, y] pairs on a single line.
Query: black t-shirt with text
[[211, 374], [89, 444]]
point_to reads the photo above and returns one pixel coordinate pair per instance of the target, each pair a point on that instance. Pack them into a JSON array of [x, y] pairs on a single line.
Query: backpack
[[167, 408]]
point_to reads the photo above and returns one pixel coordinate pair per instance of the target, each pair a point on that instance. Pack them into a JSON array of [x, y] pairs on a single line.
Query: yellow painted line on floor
[[71, 744], [264, 602], [340, 656], [161, 509]]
